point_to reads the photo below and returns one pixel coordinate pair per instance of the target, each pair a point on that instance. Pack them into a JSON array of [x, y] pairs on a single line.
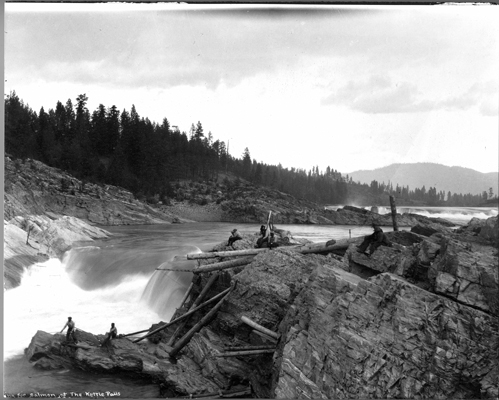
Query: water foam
[[47, 296]]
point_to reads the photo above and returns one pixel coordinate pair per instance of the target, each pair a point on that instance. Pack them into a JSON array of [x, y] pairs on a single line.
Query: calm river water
[[115, 280]]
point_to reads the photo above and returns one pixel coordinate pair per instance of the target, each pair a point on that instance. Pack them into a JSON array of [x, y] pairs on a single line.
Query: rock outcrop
[[385, 338], [17, 254], [415, 320], [47, 238], [33, 188]]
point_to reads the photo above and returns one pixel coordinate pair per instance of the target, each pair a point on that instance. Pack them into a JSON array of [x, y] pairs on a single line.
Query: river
[[115, 280]]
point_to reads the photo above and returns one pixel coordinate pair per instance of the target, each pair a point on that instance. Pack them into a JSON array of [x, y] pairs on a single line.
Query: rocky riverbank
[[33, 188], [415, 320], [42, 198], [37, 238]]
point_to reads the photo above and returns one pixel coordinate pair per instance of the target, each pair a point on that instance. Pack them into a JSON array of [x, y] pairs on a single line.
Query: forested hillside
[[128, 150], [443, 178]]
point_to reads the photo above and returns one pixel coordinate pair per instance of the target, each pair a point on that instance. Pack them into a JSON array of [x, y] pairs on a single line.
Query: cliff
[[33, 188], [415, 320]]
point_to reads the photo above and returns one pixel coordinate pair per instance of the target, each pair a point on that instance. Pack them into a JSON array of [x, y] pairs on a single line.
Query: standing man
[[71, 330]]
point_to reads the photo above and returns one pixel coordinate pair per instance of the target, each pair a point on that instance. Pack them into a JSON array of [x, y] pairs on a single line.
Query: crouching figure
[[373, 241]]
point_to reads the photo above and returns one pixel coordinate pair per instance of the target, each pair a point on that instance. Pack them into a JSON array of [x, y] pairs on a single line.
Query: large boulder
[[467, 275], [490, 230], [384, 338], [120, 356]]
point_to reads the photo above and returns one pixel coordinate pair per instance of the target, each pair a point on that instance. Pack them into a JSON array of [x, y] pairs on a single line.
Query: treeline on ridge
[[127, 150]]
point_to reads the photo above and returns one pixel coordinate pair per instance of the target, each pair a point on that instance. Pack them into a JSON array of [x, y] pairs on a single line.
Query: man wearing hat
[[375, 240], [233, 237]]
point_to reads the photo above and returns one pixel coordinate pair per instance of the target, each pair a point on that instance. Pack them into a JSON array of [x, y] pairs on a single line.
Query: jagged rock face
[[467, 276], [48, 351], [265, 290], [33, 188], [490, 230], [439, 264], [384, 338], [480, 230]]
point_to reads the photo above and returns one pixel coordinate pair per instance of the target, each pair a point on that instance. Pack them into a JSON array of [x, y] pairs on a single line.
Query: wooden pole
[[260, 328], [186, 315], [319, 247], [394, 213], [222, 265], [233, 253], [268, 223], [264, 336], [187, 337], [221, 393], [136, 333], [246, 348], [245, 353], [210, 282], [186, 295]]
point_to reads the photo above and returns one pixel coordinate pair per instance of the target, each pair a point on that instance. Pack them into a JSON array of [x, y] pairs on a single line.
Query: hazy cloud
[[379, 95], [209, 47], [485, 95]]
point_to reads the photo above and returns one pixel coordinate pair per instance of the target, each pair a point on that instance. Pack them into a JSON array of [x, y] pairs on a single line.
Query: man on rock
[[378, 238], [233, 237], [71, 330], [113, 332]]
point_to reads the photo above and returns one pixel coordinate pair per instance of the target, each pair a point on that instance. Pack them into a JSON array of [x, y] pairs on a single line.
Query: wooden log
[[245, 353], [186, 295], [323, 248], [220, 394], [223, 265], [260, 328], [187, 337], [246, 393], [186, 315], [233, 253], [394, 213], [264, 336], [246, 348], [207, 287], [136, 333]]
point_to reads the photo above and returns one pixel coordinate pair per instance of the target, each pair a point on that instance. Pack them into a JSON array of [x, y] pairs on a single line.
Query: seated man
[[233, 237], [375, 240], [113, 332], [272, 241], [263, 237]]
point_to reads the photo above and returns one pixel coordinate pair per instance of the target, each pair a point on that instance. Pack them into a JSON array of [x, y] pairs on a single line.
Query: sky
[[349, 87]]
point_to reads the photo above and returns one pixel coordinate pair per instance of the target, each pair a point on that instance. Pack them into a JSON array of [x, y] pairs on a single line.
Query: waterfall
[[165, 288], [95, 286]]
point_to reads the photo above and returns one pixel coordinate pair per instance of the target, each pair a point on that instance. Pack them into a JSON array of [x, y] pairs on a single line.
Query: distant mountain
[[453, 179]]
